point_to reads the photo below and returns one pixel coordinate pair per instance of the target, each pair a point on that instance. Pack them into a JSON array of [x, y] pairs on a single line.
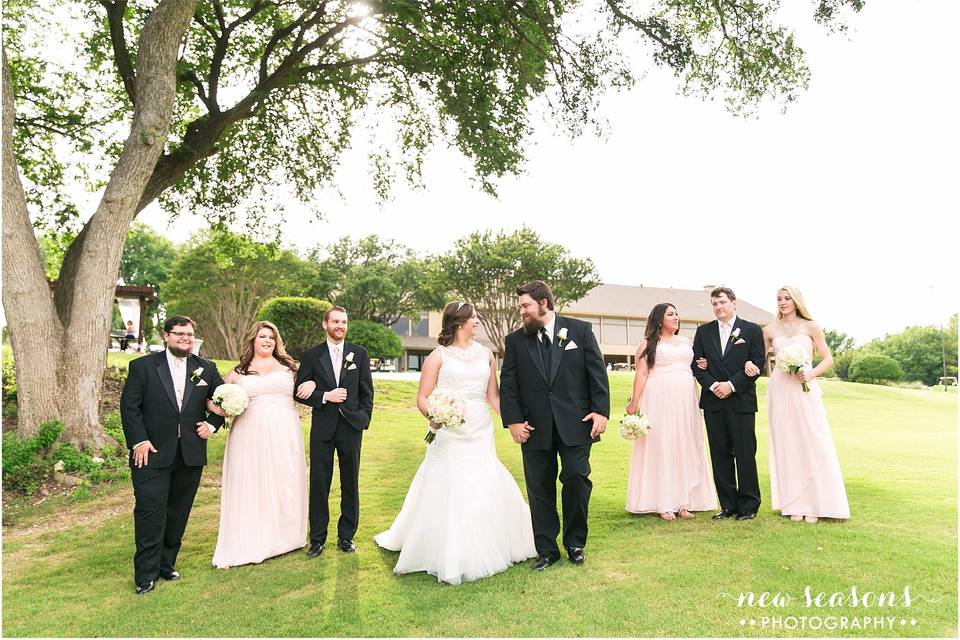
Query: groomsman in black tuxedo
[[728, 397], [334, 378], [555, 399], [163, 407]]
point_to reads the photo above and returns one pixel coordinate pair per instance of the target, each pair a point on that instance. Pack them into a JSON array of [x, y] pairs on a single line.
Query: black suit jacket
[[355, 377], [575, 385], [148, 408], [728, 367]]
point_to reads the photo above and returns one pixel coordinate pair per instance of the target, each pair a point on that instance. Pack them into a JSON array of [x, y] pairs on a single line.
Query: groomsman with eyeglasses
[[166, 424]]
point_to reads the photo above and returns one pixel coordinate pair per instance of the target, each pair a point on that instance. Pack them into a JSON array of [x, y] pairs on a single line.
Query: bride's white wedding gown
[[464, 517]]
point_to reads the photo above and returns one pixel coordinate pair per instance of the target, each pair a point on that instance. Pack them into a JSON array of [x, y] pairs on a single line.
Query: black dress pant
[[540, 472], [733, 452], [346, 442], [164, 497]]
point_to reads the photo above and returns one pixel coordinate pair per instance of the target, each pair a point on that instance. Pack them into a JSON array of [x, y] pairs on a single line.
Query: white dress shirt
[[336, 360], [725, 329]]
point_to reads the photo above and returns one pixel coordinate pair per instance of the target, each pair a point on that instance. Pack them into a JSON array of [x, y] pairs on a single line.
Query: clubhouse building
[[618, 314]]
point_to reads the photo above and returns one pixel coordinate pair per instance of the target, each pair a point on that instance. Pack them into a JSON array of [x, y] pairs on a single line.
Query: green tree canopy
[[485, 270], [875, 369], [920, 352], [147, 259], [222, 279], [377, 339], [378, 280]]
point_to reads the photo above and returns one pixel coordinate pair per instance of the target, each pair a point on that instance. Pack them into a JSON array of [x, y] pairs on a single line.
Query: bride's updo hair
[[455, 315]]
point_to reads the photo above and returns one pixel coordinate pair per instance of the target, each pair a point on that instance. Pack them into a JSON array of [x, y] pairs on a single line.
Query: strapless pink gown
[[805, 478], [668, 469], [263, 501]]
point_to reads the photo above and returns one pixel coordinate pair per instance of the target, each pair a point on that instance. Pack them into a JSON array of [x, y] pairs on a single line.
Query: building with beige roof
[[617, 312]]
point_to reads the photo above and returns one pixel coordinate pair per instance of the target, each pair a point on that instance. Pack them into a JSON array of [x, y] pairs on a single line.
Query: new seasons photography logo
[[852, 609]]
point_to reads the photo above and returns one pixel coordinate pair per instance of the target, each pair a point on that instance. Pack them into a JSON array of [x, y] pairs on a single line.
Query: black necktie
[[545, 348]]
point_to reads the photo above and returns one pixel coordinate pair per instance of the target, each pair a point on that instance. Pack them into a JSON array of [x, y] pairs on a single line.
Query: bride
[[463, 517]]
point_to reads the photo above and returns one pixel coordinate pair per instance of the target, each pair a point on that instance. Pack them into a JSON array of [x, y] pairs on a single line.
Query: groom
[[334, 378], [728, 397], [555, 399], [163, 407]]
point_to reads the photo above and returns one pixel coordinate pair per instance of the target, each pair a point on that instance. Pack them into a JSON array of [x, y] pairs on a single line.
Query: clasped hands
[[306, 389], [520, 431]]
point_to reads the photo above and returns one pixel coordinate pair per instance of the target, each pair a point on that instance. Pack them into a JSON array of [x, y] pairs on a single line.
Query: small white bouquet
[[446, 410], [634, 426], [232, 398], [793, 358]]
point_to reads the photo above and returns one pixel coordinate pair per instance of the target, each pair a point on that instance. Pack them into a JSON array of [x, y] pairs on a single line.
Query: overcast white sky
[[850, 195]]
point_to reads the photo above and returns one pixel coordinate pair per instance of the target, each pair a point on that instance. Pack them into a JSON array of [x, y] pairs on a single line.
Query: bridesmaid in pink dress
[[669, 474], [805, 478], [263, 500]]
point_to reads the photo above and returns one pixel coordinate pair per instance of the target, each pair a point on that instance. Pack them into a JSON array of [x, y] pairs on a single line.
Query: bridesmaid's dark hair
[[455, 315], [652, 331], [246, 356]]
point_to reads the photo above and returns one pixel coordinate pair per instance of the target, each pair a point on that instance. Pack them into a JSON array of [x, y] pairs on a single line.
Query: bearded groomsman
[[163, 407], [334, 378]]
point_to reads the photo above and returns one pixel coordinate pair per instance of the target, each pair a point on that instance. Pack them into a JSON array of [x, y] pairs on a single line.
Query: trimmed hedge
[[300, 321]]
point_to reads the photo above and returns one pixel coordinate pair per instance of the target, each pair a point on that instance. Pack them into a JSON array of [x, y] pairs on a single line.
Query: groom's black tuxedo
[[336, 427], [554, 402], [731, 421], [165, 487]]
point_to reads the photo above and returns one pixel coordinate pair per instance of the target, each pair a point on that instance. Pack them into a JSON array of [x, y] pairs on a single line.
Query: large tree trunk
[[27, 303], [85, 291]]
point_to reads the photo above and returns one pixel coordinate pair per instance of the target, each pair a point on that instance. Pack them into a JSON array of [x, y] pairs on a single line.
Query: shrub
[[875, 369], [9, 387], [842, 362], [113, 426], [73, 460], [27, 478], [300, 321], [377, 339]]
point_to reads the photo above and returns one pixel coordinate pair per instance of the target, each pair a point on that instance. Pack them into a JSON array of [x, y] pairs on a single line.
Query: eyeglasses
[[180, 334]]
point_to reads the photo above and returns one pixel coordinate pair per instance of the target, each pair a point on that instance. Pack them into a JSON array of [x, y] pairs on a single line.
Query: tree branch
[[121, 54]]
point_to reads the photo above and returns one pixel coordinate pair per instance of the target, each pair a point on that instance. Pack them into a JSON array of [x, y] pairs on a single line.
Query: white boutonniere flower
[[561, 336], [735, 334], [196, 374], [348, 360]]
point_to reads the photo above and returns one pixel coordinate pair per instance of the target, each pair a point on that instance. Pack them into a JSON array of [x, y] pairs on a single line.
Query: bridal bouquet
[[634, 426], [445, 410], [232, 398], [793, 358]]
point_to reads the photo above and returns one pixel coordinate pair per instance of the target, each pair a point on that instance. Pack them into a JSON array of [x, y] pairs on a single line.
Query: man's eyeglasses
[[180, 334]]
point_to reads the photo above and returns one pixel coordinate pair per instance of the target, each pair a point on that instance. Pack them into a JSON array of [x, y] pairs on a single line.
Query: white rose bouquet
[[446, 411], [232, 398], [634, 426], [793, 358]]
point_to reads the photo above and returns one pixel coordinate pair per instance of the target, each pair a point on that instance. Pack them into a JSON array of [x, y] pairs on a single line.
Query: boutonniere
[[561, 336], [196, 374], [735, 335], [348, 360]]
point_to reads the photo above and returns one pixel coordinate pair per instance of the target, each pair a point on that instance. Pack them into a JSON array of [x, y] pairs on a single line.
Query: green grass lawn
[[69, 573]]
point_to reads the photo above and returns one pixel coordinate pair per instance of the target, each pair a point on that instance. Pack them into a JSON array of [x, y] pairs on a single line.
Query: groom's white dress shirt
[[336, 359], [725, 329]]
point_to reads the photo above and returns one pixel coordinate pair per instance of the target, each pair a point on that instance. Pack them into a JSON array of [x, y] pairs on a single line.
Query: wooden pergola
[[143, 293]]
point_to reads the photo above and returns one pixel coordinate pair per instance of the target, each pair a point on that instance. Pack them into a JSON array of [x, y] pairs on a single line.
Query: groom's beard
[[180, 353], [532, 325]]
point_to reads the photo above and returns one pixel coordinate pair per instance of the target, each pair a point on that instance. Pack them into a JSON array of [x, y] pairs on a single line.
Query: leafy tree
[[486, 269], [919, 351], [300, 321], [260, 91], [875, 369], [377, 339], [838, 341], [223, 279], [147, 260], [378, 280]]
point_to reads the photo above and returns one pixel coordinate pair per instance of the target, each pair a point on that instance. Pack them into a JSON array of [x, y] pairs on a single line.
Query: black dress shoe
[[724, 513], [576, 555], [315, 549], [145, 587], [346, 546], [746, 516], [170, 575], [543, 562]]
